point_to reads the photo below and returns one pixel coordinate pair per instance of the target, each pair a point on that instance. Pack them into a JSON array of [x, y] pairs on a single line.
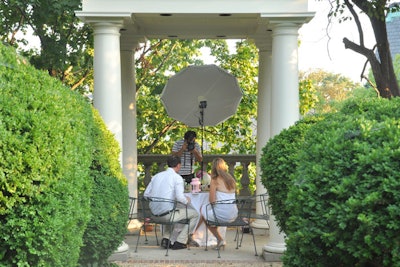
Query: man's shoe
[[164, 243], [178, 245]]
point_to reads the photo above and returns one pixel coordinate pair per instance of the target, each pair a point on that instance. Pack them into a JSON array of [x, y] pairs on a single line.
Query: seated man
[[169, 184]]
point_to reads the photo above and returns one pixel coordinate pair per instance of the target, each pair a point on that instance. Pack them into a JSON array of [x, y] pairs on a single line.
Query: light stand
[[202, 106]]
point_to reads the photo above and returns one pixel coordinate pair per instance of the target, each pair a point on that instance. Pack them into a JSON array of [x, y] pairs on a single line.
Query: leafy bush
[[59, 168], [278, 163], [344, 203], [45, 158], [109, 202]]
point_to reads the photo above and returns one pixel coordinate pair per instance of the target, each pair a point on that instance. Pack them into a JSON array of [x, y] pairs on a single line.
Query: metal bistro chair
[[262, 201], [244, 206], [257, 200], [132, 215], [149, 218]]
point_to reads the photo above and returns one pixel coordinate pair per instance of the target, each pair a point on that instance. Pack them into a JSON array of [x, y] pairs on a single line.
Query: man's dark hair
[[189, 135], [173, 161]]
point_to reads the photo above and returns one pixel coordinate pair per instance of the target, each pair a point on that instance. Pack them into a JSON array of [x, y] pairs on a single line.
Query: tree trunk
[[381, 64], [388, 84]]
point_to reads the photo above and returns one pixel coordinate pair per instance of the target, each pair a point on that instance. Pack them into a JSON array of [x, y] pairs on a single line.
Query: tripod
[[202, 106]]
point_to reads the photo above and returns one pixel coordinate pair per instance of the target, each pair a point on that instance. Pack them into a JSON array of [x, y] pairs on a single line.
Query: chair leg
[[166, 253], [155, 233], [137, 241], [206, 237], [145, 234], [168, 244], [171, 230], [237, 236], [189, 238], [254, 242], [241, 239]]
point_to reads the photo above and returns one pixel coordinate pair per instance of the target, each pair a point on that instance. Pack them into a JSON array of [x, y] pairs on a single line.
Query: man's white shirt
[[166, 184]]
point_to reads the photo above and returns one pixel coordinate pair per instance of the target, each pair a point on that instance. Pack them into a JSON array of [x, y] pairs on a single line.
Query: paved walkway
[[152, 255]]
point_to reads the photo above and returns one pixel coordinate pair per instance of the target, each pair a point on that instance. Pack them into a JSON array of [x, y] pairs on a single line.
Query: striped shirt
[[187, 158]]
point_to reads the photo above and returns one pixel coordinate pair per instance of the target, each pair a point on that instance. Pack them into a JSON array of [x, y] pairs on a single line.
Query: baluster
[[205, 165], [245, 180], [231, 165], [147, 173], [161, 166]]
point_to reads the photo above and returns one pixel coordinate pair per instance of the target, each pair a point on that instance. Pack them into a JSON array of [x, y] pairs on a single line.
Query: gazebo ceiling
[[196, 26], [206, 26], [193, 19]]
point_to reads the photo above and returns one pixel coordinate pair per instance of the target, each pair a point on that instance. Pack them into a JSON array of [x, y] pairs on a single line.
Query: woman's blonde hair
[[220, 168]]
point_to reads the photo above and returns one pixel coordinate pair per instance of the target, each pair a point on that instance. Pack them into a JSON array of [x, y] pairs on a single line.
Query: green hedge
[[45, 155], [63, 198], [343, 200], [109, 202], [277, 164]]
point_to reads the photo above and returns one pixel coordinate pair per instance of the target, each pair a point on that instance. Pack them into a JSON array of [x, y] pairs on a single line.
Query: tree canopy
[[328, 87], [65, 42]]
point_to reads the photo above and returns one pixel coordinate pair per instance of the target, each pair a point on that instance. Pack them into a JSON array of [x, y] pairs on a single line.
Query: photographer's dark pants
[[188, 178]]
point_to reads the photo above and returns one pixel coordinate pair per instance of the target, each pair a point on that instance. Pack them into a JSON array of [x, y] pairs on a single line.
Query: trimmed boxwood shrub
[[63, 197], [109, 202], [278, 163], [344, 203], [45, 157]]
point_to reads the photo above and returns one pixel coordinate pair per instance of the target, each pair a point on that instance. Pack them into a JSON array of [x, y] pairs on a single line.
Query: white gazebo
[[120, 25]]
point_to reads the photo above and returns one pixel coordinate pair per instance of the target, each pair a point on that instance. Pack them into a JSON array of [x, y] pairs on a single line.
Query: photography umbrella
[[201, 96]]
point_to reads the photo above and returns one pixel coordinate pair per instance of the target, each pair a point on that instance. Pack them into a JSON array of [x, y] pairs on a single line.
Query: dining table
[[199, 200]]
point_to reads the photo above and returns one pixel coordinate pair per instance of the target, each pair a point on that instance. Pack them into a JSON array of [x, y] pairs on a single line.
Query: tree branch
[[372, 85], [81, 80], [357, 21], [160, 134], [12, 38], [357, 48], [165, 58]]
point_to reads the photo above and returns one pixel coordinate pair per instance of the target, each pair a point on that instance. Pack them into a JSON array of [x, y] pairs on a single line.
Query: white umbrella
[[201, 95]]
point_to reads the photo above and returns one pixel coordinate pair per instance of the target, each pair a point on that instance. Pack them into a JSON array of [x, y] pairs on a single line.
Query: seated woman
[[222, 187]]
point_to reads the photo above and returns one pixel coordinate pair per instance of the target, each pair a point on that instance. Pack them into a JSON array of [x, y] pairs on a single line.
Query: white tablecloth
[[198, 200]]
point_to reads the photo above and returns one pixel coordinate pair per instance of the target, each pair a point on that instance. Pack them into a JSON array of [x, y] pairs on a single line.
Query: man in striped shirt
[[189, 152]]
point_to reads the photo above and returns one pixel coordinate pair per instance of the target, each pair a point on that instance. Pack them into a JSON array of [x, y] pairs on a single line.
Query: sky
[[318, 51], [321, 45]]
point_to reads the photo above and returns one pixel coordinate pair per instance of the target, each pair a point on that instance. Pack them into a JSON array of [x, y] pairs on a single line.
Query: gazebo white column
[[263, 113], [285, 77], [107, 97], [129, 127], [285, 99], [107, 75]]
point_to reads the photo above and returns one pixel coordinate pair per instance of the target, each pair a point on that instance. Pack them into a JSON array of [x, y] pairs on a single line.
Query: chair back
[[245, 206], [261, 201], [162, 206], [132, 212]]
